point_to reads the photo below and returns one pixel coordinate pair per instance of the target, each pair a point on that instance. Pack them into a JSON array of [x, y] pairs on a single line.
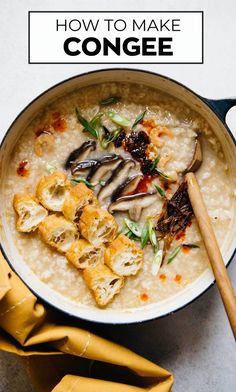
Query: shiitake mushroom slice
[[128, 186], [116, 179], [80, 153], [104, 165]]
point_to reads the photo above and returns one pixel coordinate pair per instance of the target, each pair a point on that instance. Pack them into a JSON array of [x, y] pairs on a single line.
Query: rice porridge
[[155, 135]]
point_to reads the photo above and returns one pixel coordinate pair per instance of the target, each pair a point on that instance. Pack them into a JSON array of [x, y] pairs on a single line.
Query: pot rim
[[204, 101]]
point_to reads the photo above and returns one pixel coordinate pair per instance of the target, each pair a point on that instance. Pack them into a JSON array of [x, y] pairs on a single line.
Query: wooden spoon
[[212, 248], [197, 157]]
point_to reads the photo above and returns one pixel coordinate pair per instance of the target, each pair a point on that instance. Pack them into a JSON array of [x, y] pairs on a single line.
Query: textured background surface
[[195, 343]]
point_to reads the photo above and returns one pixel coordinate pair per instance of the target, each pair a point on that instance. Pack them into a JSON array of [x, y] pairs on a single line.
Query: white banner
[[115, 37]]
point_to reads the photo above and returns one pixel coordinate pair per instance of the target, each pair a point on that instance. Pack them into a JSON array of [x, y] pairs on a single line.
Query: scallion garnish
[[144, 235], [102, 182], [133, 227], [86, 124], [117, 119], [160, 172], [132, 236], [96, 121], [155, 162], [138, 119], [152, 236], [106, 132], [160, 190], [109, 136], [78, 180], [109, 100], [124, 230], [51, 169], [156, 263], [173, 254]]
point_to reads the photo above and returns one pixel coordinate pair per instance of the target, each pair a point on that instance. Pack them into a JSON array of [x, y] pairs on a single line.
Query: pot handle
[[221, 106]]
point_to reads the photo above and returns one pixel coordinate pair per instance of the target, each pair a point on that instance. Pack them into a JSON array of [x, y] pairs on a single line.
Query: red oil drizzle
[[178, 278], [185, 249], [22, 170], [162, 277], [59, 123], [180, 235], [144, 297], [41, 131], [143, 184]]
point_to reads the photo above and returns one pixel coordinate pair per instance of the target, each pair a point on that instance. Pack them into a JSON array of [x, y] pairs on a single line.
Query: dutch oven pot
[[214, 111]]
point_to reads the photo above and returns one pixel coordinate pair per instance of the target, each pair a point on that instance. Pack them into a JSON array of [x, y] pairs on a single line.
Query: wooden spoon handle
[[212, 248]]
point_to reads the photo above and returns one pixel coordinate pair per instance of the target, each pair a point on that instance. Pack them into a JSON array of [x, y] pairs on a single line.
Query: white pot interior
[[148, 312]]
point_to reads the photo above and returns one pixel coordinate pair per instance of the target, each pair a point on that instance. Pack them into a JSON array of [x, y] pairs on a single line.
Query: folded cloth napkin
[[61, 357]]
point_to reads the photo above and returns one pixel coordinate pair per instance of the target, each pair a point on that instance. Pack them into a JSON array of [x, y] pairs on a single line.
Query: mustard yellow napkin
[[63, 358]]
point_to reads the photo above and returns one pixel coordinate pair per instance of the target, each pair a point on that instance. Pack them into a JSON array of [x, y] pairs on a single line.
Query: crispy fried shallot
[[175, 216]]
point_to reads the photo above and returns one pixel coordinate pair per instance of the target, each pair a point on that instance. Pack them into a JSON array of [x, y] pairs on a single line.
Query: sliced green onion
[[51, 169], [133, 227], [86, 124], [160, 172], [155, 162], [109, 100], [138, 119], [129, 234], [102, 182], [173, 254], [132, 236], [116, 133], [104, 143], [111, 137], [117, 119], [106, 131], [152, 236], [156, 263], [144, 235], [78, 180], [96, 121], [124, 230], [160, 190]]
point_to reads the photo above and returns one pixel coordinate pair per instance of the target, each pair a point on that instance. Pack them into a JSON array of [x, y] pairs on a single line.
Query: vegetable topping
[[109, 101], [88, 127]]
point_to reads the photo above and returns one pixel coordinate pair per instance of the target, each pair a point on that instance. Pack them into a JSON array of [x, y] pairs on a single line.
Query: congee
[[100, 210]]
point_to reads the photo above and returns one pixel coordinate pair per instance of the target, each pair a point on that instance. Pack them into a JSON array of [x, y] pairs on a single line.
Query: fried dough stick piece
[[83, 255], [58, 232], [52, 190], [103, 283], [97, 225], [30, 212], [79, 197], [123, 256]]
